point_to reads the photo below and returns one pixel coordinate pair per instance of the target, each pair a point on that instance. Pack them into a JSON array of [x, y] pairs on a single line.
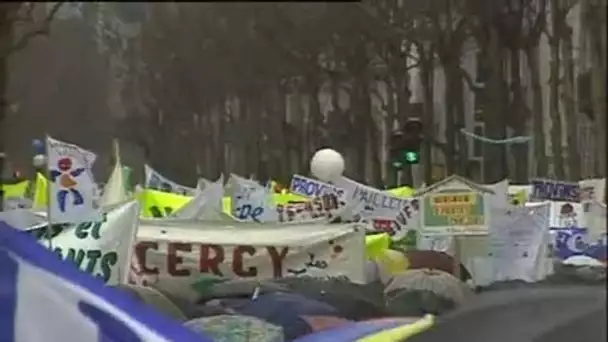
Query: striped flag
[[47, 299]]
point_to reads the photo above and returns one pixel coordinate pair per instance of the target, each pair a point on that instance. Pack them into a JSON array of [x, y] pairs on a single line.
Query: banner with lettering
[[318, 209], [386, 212], [556, 191], [516, 239], [312, 188], [168, 251], [455, 211], [155, 181], [99, 248], [565, 198], [251, 201]]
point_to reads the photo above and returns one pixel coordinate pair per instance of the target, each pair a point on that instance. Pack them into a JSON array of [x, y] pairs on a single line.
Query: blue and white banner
[[568, 242], [312, 188], [556, 191], [44, 299]]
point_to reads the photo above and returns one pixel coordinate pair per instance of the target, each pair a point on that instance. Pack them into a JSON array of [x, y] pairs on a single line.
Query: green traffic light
[[411, 157]]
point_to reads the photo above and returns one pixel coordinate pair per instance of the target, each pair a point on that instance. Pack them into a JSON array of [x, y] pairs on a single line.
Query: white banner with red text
[[168, 251]]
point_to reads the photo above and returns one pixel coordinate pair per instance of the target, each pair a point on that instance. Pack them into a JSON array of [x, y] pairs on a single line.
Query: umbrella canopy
[[286, 310], [434, 280], [353, 301], [155, 299], [564, 314], [435, 260], [235, 328]]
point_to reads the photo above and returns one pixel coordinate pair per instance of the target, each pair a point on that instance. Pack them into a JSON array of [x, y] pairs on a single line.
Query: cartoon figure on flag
[[66, 176], [72, 192]]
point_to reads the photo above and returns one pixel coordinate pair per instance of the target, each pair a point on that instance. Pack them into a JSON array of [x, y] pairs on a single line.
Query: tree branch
[[42, 29]]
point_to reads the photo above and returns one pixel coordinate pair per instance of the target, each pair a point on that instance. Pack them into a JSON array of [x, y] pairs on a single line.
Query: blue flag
[[43, 298]]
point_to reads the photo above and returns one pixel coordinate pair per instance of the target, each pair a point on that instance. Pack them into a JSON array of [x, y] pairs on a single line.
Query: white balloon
[[327, 164], [39, 160]]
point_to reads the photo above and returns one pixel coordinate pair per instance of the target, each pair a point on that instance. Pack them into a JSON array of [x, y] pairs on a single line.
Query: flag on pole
[[46, 299], [73, 193]]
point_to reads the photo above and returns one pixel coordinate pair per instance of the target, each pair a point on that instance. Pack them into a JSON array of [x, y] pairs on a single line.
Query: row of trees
[[219, 77], [257, 88]]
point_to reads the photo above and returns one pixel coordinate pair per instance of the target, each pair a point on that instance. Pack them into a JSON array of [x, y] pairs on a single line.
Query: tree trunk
[[554, 102], [495, 120], [361, 111], [6, 39], [540, 153], [571, 114], [450, 119], [427, 75], [598, 82], [520, 120], [390, 179]]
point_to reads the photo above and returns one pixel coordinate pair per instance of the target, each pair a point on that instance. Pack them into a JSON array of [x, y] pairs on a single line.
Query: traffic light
[[412, 139], [396, 157], [405, 144]]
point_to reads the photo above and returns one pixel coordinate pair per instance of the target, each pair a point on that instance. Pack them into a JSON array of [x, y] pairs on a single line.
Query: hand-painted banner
[[99, 248], [311, 188], [454, 211], [166, 252], [568, 242], [74, 196], [156, 181], [323, 207], [550, 190]]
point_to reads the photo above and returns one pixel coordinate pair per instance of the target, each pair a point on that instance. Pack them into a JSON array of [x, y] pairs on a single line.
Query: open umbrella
[[353, 301], [435, 260], [155, 299], [564, 314]]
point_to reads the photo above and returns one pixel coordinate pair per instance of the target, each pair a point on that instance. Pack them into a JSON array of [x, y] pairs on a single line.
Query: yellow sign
[[454, 209]]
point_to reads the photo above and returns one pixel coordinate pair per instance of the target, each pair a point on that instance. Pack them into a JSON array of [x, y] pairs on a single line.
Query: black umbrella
[[354, 301], [565, 314]]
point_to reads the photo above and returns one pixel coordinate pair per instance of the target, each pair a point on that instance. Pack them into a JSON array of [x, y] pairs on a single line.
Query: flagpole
[[49, 228]]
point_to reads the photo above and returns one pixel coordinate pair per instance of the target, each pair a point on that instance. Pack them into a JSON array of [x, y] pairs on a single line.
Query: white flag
[[156, 181], [65, 304], [73, 193]]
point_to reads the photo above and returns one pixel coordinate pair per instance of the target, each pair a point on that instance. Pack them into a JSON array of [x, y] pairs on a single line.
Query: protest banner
[[100, 248], [73, 193], [312, 188], [455, 211], [516, 242], [556, 191], [384, 211], [455, 206], [171, 250], [46, 299], [156, 181], [317, 208]]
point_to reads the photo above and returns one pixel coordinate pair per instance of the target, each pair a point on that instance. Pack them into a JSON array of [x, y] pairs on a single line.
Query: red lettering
[[173, 260], [210, 262], [277, 260], [237, 261], [140, 252]]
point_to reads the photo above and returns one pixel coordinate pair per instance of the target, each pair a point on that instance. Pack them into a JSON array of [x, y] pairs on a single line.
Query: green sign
[[454, 211]]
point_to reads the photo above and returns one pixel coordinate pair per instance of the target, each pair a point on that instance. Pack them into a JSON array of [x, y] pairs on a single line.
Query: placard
[[454, 212]]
